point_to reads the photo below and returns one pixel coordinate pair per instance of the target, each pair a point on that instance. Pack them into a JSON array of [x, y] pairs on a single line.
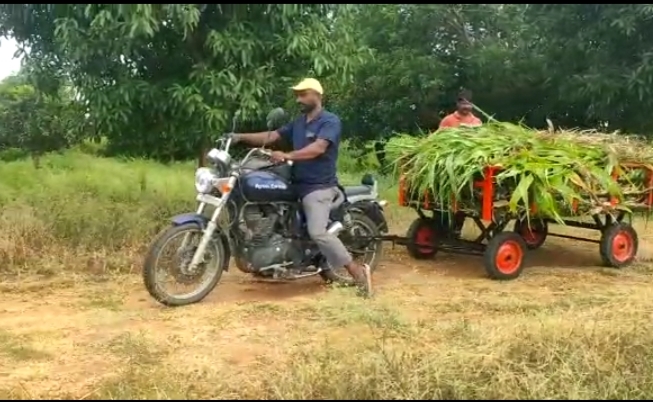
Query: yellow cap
[[309, 83]]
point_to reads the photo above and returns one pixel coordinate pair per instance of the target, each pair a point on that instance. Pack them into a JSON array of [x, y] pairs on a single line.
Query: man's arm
[[329, 133], [257, 139], [265, 137]]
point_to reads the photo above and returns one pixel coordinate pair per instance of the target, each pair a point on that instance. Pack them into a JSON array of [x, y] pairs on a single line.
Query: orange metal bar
[[402, 191], [649, 184], [488, 194]]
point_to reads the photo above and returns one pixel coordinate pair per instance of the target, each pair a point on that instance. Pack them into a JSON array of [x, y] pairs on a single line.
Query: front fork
[[184, 243], [198, 257]]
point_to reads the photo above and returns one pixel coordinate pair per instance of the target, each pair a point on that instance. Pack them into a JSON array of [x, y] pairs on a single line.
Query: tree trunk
[[36, 160], [204, 149]]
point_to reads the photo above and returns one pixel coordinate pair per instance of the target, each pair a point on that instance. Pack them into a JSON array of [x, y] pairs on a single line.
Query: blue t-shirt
[[318, 173]]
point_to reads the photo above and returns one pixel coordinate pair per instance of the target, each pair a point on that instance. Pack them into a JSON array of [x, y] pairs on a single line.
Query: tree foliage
[[37, 122], [161, 79]]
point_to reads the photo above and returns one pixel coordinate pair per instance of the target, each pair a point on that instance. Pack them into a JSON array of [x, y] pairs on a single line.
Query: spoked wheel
[[533, 233], [619, 244], [423, 238], [167, 262], [355, 238], [504, 256]]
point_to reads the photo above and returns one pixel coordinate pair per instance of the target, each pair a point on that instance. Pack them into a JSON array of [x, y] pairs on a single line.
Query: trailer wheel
[[504, 256], [423, 237], [619, 244], [535, 234]]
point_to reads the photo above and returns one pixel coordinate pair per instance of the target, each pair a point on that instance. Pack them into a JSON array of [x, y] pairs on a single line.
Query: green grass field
[[77, 323]]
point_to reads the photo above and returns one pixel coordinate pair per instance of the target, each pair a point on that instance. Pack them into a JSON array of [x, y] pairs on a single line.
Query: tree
[[424, 55], [580, 65], [599, 60], [34, 121], [160, 79]]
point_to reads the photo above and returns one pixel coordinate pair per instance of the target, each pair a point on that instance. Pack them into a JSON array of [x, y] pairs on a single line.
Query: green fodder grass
[[550, 171], [82, 211]]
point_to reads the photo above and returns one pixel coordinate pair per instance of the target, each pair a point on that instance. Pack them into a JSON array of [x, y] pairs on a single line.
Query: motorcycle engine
[[263, 244]]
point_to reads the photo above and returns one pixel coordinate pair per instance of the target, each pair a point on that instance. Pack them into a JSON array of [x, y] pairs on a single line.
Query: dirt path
[[80, 339]]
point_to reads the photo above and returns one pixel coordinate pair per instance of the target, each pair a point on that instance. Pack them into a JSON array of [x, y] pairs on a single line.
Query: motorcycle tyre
[[149, 268]]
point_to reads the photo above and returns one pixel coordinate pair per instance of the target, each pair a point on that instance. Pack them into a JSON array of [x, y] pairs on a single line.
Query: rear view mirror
[[276, 118]]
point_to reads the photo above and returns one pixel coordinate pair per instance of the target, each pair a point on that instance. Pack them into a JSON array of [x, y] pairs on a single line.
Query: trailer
[[504, 252]]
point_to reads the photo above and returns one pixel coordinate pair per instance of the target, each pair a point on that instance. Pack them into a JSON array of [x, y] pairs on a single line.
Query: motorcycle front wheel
[[169, 256], [363, 251]]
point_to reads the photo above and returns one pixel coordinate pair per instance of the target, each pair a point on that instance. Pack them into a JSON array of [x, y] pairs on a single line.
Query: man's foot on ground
[[365, 284]]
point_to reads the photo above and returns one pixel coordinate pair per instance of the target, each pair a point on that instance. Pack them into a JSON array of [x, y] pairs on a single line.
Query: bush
[[83, 212]]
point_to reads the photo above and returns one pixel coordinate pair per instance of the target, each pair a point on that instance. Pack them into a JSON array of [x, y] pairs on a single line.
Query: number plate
[[208, 199]]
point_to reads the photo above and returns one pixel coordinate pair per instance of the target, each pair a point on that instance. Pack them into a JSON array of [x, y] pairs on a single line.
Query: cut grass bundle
[[552, 171]]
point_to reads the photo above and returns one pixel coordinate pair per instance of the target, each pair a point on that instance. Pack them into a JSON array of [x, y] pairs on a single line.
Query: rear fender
[[372, 210], [202, 221]]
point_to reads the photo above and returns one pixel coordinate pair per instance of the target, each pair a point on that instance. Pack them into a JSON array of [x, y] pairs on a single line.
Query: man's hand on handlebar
[[235, 138], [278, 156]]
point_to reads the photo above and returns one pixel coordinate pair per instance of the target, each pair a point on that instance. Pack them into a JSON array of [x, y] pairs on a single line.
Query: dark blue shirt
[[318, 173]]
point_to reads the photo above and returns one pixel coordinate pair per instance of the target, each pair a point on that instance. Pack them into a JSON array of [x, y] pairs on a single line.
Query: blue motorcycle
[[248, 210]]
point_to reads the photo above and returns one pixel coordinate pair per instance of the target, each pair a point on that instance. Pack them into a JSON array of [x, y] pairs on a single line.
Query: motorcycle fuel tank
[[265, 186]]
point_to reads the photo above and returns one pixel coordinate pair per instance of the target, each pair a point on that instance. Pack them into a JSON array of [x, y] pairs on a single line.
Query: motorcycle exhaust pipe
[[335, 228]]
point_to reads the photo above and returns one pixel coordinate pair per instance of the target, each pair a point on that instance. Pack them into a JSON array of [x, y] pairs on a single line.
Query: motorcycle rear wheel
[[357, 219], [216, 265]]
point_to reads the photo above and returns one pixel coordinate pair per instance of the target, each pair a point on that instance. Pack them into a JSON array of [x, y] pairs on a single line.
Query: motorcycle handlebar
[[225, 141], [228, 140]]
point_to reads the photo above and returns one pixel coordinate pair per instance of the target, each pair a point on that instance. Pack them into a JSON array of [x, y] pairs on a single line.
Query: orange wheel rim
[[623, 246], [509, 257]]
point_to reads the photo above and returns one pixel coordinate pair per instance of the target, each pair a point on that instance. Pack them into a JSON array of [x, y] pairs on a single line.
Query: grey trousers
[[317, 206]]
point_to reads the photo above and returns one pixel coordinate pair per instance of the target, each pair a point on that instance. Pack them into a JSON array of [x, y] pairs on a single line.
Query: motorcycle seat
[[351, 191]]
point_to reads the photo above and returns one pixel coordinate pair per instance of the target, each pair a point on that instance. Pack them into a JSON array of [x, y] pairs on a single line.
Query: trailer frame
[[504, 252]]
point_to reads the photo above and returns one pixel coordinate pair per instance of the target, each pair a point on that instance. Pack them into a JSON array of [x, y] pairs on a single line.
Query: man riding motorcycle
[[315, 138]]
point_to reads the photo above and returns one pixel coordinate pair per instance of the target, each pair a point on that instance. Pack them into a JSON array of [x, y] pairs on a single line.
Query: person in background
[[463, 116]]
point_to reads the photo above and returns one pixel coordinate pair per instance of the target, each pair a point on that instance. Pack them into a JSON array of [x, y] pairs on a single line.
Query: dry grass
[[554, 334], [437, 329]]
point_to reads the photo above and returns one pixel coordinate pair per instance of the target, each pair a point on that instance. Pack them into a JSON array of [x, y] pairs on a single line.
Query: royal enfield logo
[[271, 186]]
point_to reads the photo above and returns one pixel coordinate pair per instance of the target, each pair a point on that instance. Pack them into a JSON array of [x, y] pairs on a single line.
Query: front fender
[[202, 221], [374, 211], [190, 217]]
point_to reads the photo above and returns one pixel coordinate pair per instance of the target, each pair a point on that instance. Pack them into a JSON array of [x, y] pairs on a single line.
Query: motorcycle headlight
[[219, 156], [204, 180]]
